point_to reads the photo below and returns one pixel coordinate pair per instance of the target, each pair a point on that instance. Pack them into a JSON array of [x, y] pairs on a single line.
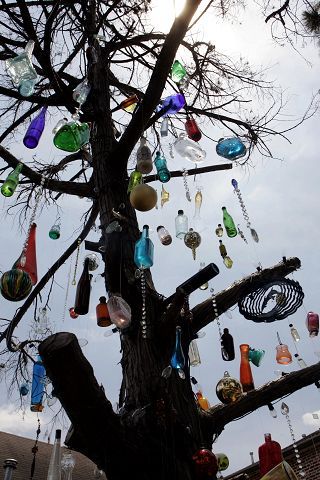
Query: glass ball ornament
[[205, 464], [143, 197], [223, 461], [228, 389], [231, 148], [15, 285], [192, 240], [72, 313], [93, 261]]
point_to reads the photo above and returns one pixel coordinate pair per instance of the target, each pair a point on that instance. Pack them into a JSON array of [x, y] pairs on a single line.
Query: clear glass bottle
[[119, 311], [228, 261], [11, 182], [301, 362], [144, 157], [219, 230], [35, 130], [164, 129], [37, 388], [181, 223], [229, 225], [67, 465], [194, 355], [162, 169], [81, 92], [246, 378], [164, 236], [143, 252], [294, 332], [20, 68], [54, 471], [189, 149]]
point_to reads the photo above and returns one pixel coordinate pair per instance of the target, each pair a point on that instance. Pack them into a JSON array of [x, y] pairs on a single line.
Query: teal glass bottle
[[177, 359], [72, 136], [229, 223], [143, 252], [162, 169], [11, 182]]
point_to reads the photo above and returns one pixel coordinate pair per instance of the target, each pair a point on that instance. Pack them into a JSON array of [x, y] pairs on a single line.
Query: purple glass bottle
[[35, 129]]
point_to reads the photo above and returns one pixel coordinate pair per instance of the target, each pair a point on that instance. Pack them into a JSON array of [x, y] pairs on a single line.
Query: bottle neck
[[145, 232], [267, 437]]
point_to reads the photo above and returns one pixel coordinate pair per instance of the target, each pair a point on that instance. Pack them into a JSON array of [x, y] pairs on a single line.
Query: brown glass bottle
[[82, 301], [227, 346], [103, 317], [246, 378]]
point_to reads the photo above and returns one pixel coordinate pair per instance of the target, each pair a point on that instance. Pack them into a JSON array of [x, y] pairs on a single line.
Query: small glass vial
[[164, 236], [219, 230], [205, 285], [301, 362], [144, 157], [181, 224], [312, 323], [294, 333], [283, 355], [194, 355], [54, 232]]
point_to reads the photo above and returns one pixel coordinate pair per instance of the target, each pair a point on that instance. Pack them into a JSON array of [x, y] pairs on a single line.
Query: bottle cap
[[145, 227], [58, 434], [219, 224], [102, 299], [180, 212], [296, 355], [223, 208], [226, 330], [160, 226], [290, 325]]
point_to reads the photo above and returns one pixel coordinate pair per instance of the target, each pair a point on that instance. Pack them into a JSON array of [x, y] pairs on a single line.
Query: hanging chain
[[34, 450], [215, 310], [143, 322], [185, 174], [243, 207], [76, 264], [285, 411], [242, 234], [67, 292]]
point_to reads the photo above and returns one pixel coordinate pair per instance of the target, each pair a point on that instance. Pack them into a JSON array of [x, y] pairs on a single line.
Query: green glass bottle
[[229, 223], [178, 72], [134, 180], [12, 181], [72, 136]]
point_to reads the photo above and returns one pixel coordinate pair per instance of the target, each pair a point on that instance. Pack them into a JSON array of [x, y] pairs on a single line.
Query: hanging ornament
[[205, 285], [223, 462], [28, 258], [103, 317], [72, 313], [197, 220], [194, 355], [205, 464], [67, 465], [272, 410], [231, 148], [164, 236], [15, 285], [246, 378], [219, 230], [177, 361], [93, 261], [164, 129], [119, 311], [181, 224], [227, 346], [81, 92], [76, 263], [38, 384], [312, 323], [301, 362], [143, 197], [271, 301], [164, 196], [178, 72], [185, 184], [201, 399], [35, 130], [144, 157], [189, 149], [229, 223], [172, 104], [228, 389], [240, 232], [294, 333], [162, 169], [223, 252], [283, 355], [244, 210], [72, 136], [82, 301], [54, 232], [192, 240], [270, 454], [143, 252], [24, 389], [256, 356], [192, 130], [42, 322], [11, 182], [134, 180], [285, 412], [22, 72]]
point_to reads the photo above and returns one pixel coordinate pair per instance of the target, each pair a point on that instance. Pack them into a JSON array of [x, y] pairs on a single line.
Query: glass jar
[[283, 355]]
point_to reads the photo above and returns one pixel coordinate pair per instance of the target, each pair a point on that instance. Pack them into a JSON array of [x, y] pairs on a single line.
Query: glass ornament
[[189, 149], [15, 285], [283, 356], [71, 136], [26, 87], [202, 400], [270, 454], [42, 322], [178, 72], [181, 223], [205, 285], [24, 389], [205, 464], [272, 410], [229, 223], [67, 465], [227, 346], [219, 230], [162, 169], [222, 249], [256, 356], [227, 261], [194, 355], [119, 311], [231, 148], [185, 184], [28, 258], [301, 362], [35, 130], [93, 261], [284, 409], [192, 240], [59, 125], [165, 196], [177, 360], [82, 301], [128, 105], [228, 389], [223, 461], [20, 68], [144, 157], [54, 232], [81, 92], [38, 384], [192, 130], [197, 207], [143, 197], [134, 180], [246, 378], [11, 182], [164, 128], [294, 333], [72, 313], [143, 251], [312, 323], [173, 104], [164, 236], [54, 470], [103, 317]]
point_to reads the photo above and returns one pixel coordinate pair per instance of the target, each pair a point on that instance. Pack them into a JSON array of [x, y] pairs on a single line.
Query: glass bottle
[[312, 323], [231, 148], [28, 260], [165, 196], [228, 222], [103, 317], [227, 346], [59, 124], [11, 182], [71, 136], [178, 72], [205, 285], [143, 252], [42, 322], [194, 355], [119, 311], [54, 232], [227, 261], [20, 68], [246, 378], [24, 389], [81, 92], [164, 129], [128, 105], [82, 301], [228, 389], [173, 104], [222, 249], [35, 129], [192, 130], [202, 400], [189, 149], [37, 389], [54, 471], [256, 356], [67, 465], [164, 236], [283, 355], [192, 240], [162, 169], [301, 362], [219, 230], [72, 313], [134, 180], [294, 332], [177, 359], [144, 157], [181, 222], [26, 87], [270, 455]]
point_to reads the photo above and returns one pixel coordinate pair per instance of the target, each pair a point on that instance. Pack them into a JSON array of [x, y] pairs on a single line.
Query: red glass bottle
[[270, 454], [193, 130], [312, 323], [246, 378], [103, 317]]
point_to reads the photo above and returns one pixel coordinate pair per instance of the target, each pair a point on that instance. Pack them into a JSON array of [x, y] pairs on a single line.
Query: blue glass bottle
[[231, 148], [162, 169], [143, 252], [177, 359], [173, 104], [37, 389]]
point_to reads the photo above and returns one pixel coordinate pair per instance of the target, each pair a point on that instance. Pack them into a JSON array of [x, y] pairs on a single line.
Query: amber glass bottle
[[246, 378], [103, 317]]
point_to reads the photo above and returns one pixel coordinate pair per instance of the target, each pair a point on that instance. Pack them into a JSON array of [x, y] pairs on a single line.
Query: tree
[[159, 426]]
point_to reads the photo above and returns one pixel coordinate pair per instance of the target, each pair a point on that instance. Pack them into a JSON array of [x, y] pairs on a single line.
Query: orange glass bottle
[[103, 317], [246, 378], [203, 401]]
